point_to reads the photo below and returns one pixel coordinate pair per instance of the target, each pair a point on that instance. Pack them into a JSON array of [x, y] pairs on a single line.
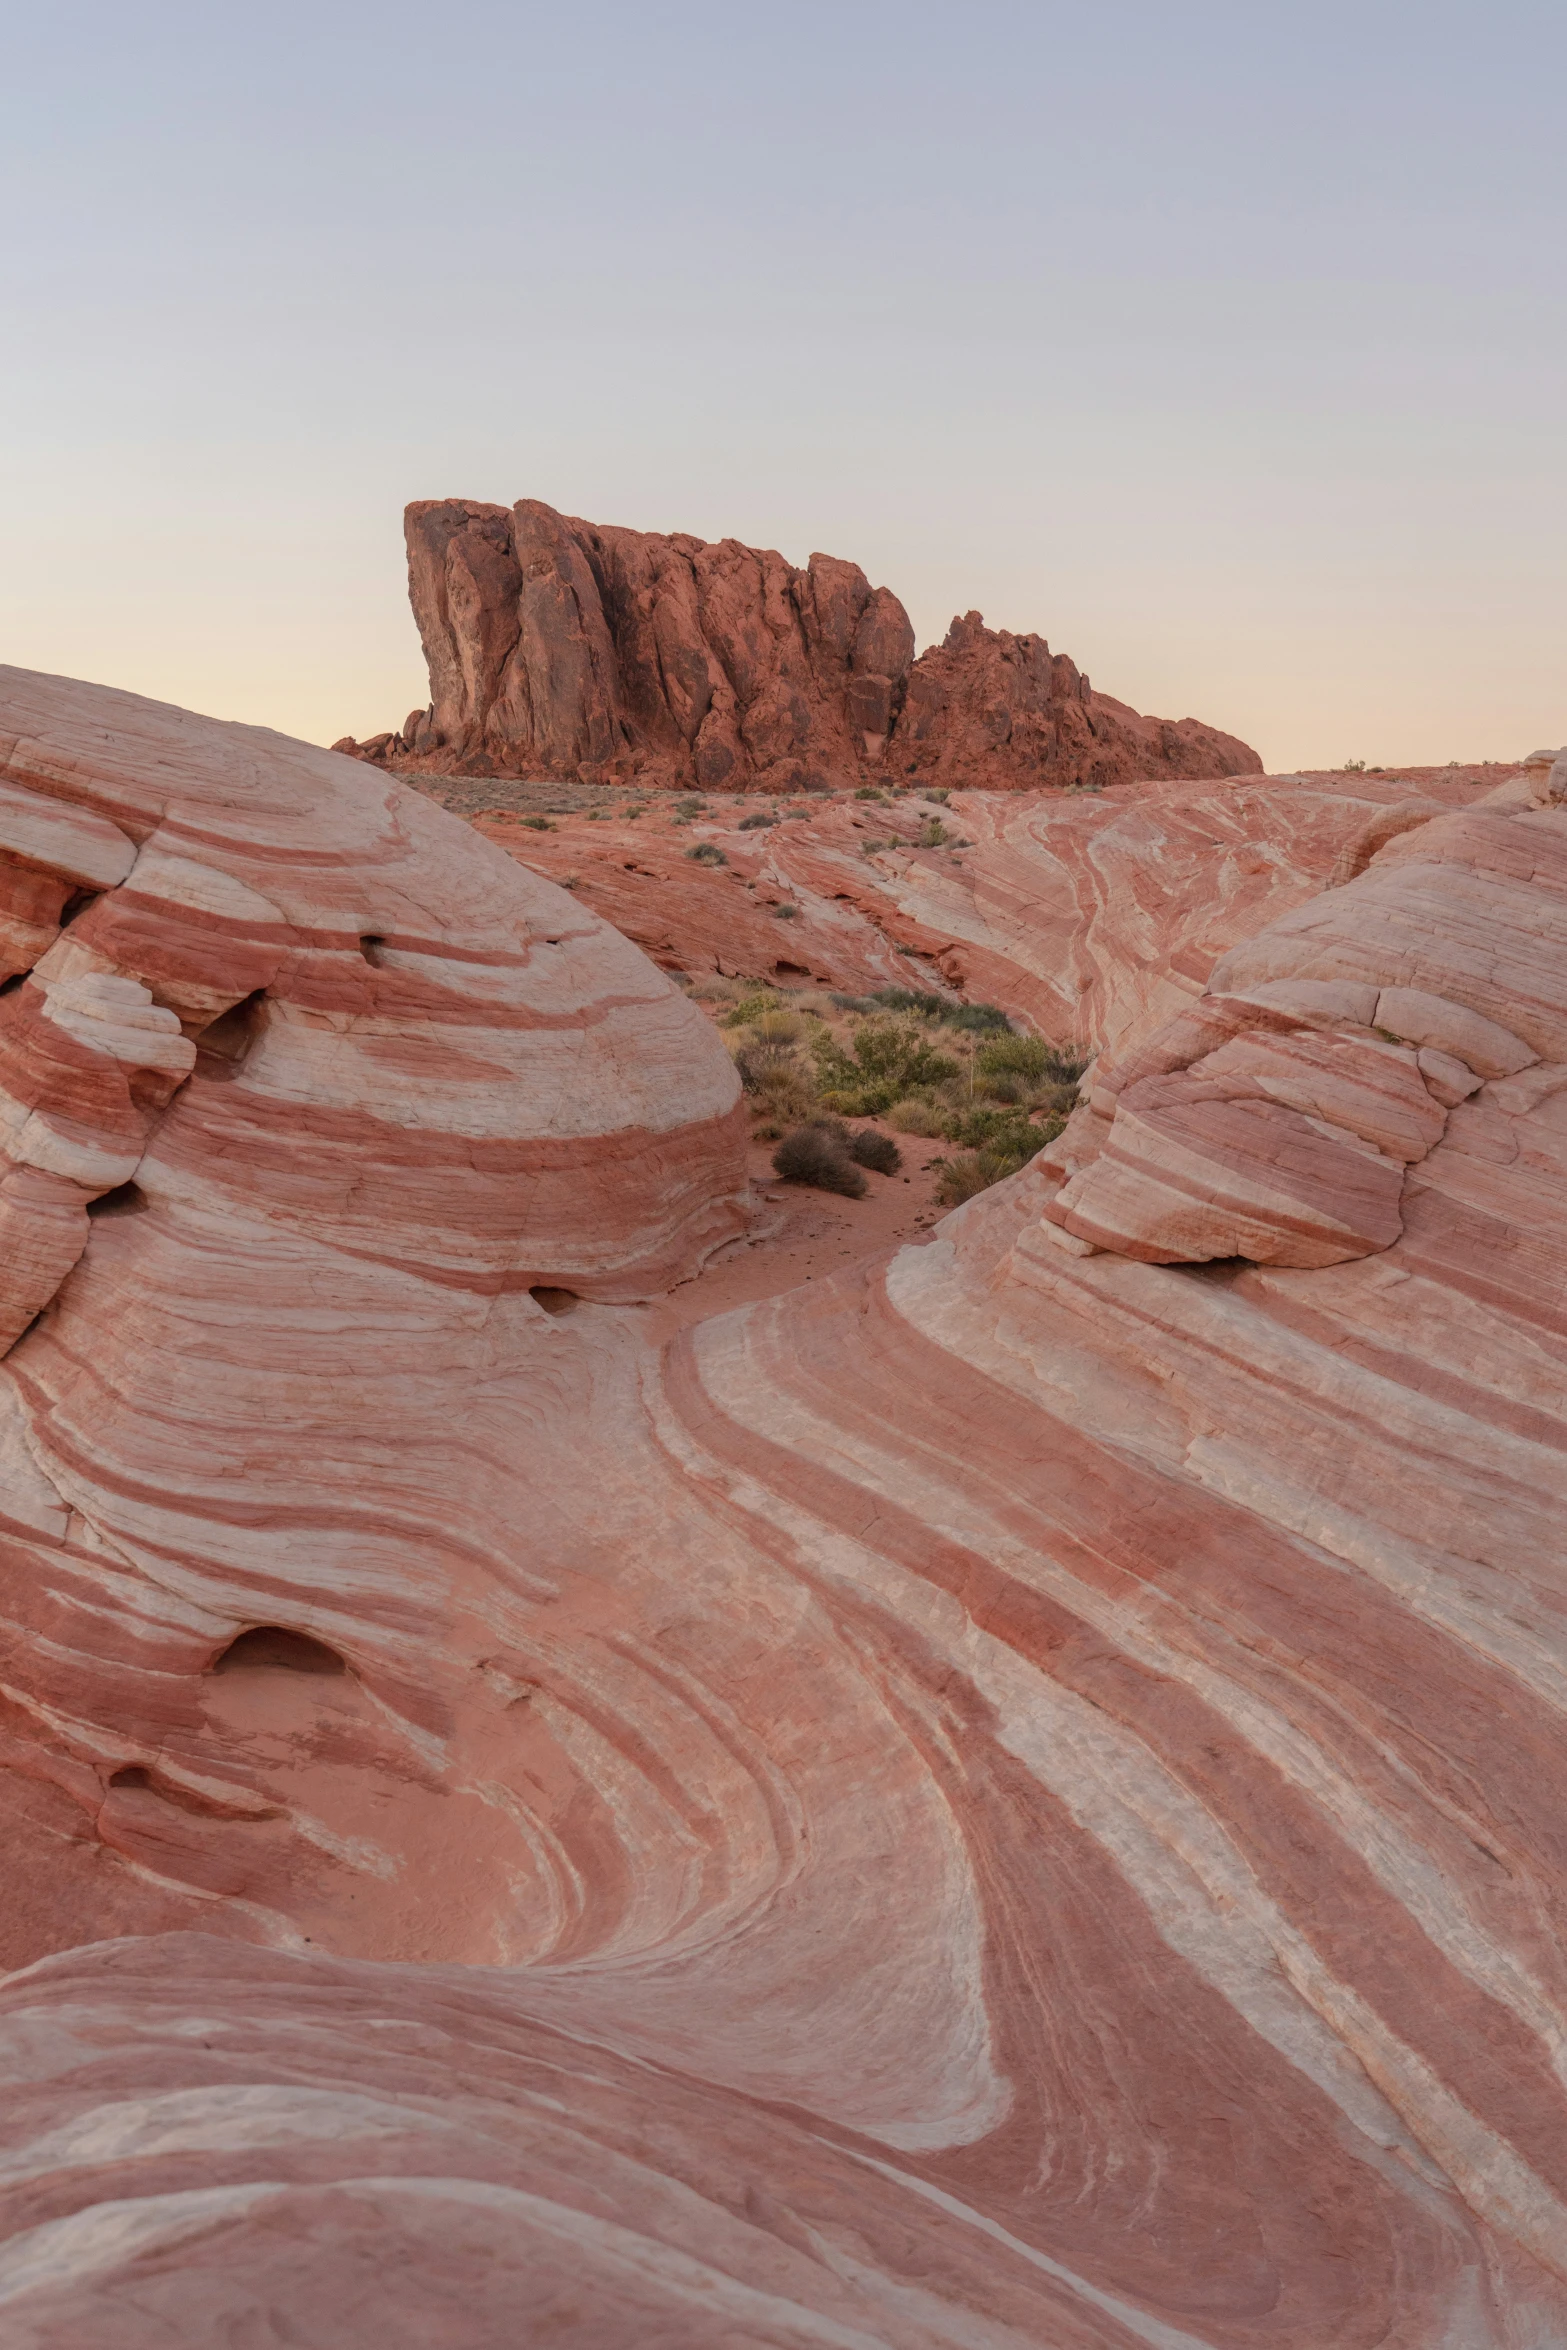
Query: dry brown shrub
[[815, 1155]]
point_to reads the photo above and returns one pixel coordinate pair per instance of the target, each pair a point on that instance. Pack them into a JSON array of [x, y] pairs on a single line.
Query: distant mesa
[[570, 652]]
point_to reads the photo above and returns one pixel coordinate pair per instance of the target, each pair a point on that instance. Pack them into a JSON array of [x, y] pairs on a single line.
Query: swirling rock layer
[[1008, 1797], [1090, 916]]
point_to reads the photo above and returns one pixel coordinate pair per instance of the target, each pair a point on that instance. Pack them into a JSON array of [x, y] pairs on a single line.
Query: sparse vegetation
[[754, 1007], [929, 1006], [932, 1068], [870, 791], [932, 834], [914, 1116], [968, 1174], [707, 852], [536, 823], [755, 823], [887, 1058], [818, 1154]]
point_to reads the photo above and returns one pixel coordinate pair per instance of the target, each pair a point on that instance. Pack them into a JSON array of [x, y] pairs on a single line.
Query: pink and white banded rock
[[1007, 1797]]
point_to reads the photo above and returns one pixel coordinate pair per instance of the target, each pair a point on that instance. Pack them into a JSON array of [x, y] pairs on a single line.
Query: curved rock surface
[[564, 648], [1091, 916], [1008, 1797]]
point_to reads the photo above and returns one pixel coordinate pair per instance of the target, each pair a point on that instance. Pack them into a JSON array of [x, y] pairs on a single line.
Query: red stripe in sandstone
[[1414, 1372], [1144, 2105], [1493, 2063]]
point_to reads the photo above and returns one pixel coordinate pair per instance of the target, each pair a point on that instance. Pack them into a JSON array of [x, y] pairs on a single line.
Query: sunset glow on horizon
[[1224, 347]]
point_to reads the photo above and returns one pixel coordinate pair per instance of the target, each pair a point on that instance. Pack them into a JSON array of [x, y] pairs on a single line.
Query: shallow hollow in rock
[[272, 1648]]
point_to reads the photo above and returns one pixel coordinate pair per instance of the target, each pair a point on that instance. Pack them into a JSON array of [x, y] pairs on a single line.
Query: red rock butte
[[1009, 1797], [567, 649]]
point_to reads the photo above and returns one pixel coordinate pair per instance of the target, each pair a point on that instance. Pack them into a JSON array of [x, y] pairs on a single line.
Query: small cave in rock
[[373, 948], [272, 1648], [554, 1301], [78, 903], [132, 1775], [230, 1036], [126, 1199]]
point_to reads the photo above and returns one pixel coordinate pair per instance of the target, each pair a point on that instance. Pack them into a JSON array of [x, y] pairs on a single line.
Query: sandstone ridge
[[1006, 1797], [564, 648]]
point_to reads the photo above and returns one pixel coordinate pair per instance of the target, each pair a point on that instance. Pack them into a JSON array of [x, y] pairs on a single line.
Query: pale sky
[[1225, 344]]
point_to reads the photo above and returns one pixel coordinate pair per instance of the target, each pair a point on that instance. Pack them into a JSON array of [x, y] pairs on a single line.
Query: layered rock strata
[[565, 648], [1008, 1797], [1089, 916]]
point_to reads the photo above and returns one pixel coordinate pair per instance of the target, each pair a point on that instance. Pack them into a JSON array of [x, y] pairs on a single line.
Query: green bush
[[889, 1059], [1003, 1132], [932, 834], [870, 791], [707, 852], [536, 823], [986, 1018], [754, 823], [1027, 1057], [753, 1007]]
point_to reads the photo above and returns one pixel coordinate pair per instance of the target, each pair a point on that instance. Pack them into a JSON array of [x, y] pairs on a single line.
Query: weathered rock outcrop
[[563, 648], [1010, 1797], [996, 712]]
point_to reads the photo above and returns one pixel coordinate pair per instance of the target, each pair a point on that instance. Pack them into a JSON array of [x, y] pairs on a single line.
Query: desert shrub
[[970, 1172], [707, 852], [932, 834], [932, 792], [877, 1151], [754, 1006], [781, 1090], [639, 809], [774, 1025], [787, 913], [598, 815], [913, 1116], [1002, 1132], [930, 1006], [1028, 1058], [536, 823], [889, 1059], [870, 791], [755, 823], [690, 804], [978, 1019], [816, 1155]]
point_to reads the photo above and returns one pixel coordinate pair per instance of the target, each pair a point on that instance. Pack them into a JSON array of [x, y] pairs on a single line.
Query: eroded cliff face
[[563, 648], [1006, 1797]]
